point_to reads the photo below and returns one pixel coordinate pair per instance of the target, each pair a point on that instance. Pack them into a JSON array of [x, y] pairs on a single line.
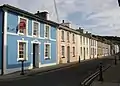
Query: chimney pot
[[62, 21]]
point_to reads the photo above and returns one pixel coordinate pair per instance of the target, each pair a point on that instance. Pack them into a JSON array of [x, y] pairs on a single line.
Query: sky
[[100, 17]]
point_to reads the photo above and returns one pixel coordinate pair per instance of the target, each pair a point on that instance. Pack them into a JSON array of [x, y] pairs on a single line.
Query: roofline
[[27, 14]]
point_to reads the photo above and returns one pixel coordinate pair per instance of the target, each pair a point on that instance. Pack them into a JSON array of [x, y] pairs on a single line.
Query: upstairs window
[[47, 31], [73, 38], [62, 35], [36, 29], [81, 39], [68, 37], [22, 28], [86, 40]]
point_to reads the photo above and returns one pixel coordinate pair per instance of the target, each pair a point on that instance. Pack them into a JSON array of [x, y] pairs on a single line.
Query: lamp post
[[22, 66]]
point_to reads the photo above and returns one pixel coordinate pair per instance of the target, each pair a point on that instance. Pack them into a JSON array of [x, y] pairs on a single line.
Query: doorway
[[68, 54], [35, 55], [84, 53]]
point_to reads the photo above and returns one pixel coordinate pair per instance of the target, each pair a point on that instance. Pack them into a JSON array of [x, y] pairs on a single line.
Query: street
[[71, 76]]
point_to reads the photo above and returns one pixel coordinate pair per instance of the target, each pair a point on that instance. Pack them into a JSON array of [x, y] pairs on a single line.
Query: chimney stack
[[44, 15], [67, 24]]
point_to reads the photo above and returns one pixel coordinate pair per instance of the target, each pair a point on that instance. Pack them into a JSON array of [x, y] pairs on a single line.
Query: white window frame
[[45, 31], [26, 58], [26, 25], [73, 49], [64, 51], [33, 28], [50, 51], [63, 36], [73, 38], [68, 36]]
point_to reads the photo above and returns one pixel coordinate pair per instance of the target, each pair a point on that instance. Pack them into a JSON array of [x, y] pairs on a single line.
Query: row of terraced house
[[41, 42]]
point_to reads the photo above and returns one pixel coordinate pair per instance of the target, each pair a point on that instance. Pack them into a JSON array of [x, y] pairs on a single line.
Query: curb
[[91, 78]]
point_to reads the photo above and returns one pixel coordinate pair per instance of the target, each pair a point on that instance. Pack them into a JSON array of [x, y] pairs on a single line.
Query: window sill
[[47, 37], [74, 56], [35, 36], [63, 56], [21, 59], [46, 58], [68, 41], [73, 42], [62, 41]]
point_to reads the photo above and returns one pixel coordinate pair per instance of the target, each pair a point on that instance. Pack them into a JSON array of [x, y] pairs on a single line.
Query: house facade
[[67, 44], [26, 37], [93, 47]]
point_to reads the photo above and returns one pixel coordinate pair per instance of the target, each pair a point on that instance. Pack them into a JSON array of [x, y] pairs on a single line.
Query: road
[[71, 76]]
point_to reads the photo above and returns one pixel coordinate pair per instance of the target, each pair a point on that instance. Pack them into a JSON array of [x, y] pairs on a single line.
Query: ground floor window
[[81, 50], [47, 51], [63, 51], [22, 50], [73, 51]]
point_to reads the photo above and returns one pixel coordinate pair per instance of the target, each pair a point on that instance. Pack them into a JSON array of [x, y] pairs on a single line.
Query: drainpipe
[[2, 56]]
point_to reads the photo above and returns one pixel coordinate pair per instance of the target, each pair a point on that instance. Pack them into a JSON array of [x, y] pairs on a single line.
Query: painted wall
[[65, 43], [12, 37]]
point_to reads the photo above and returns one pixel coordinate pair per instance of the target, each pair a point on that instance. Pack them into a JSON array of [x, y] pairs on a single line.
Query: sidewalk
[[16, 75], [111, 77]]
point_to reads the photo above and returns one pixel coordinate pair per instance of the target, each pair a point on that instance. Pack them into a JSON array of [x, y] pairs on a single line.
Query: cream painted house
[[83, 46], [67, 42]]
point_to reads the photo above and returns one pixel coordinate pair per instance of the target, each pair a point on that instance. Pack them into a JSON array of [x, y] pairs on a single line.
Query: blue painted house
[[26, 36]]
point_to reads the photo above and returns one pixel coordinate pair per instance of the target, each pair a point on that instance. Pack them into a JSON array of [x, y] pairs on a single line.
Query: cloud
[[97, 16]]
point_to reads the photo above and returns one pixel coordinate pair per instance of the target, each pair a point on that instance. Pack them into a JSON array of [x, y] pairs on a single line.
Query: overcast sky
[[100, 17]]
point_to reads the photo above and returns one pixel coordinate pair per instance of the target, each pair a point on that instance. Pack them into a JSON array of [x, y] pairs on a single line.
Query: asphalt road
[[71, 76]]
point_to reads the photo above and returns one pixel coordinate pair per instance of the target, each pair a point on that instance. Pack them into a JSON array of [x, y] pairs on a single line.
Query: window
[[36, 29], [73, 51], [62, 35], [86, 40], [95, 51], [91, 51], [63, 51], [81, 50], [87, 51], [22, 27], [73, 38], [68, 36], [47, 51], [47, 31], [83, 40], [22, 51]]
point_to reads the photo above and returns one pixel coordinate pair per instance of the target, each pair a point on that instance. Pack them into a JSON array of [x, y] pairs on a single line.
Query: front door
[[35, 55], [68, 54]]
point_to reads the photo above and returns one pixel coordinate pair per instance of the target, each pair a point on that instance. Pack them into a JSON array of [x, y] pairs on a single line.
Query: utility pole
[[55, 5], [119, 3]]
